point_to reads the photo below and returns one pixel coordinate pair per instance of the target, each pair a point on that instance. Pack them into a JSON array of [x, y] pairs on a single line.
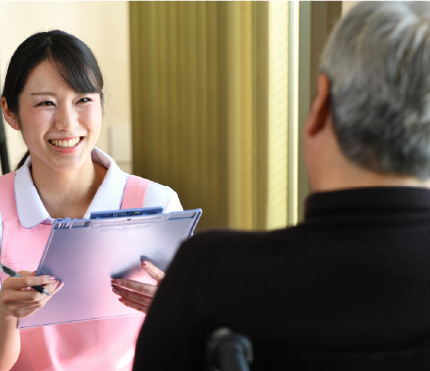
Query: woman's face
[[60, 127]]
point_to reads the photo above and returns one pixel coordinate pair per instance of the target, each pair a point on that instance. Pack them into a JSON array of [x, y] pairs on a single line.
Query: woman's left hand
[[136, 294]]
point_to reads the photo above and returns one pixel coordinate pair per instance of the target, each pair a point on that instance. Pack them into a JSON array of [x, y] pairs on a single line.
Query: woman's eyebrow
[[43, 93], [55, 94]]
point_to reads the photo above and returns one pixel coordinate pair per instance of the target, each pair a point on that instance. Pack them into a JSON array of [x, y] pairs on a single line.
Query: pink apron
[[92, 345]]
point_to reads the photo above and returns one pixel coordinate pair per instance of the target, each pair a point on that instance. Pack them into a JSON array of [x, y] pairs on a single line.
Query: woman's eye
[[45, 103], [84, 100]]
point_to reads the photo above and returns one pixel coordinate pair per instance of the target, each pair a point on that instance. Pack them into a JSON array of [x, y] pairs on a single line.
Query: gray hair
[[378, 62]]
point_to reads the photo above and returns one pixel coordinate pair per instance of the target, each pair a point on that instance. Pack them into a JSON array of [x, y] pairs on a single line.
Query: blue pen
[[12, 273]]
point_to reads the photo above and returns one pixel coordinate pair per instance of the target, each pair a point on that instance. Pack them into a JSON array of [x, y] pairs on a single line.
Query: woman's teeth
[[65, 143]]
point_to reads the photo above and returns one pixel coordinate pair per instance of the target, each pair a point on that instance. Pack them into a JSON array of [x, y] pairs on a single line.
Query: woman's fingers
[[133, 299], [34, 301], [21, 300], [132, 304], [134, 294], [138, 295], [53, 287], [152, 270], [143, 289], [20, 288], [16, 283]]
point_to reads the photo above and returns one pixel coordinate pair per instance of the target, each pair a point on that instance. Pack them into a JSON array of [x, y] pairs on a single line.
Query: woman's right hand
[[20, 300]]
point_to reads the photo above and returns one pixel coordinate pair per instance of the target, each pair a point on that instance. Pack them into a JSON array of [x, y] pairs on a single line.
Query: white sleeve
[[174, 204], [159, 195]]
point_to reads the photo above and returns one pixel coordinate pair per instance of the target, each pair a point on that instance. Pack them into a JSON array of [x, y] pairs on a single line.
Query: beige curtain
[[215, 107]]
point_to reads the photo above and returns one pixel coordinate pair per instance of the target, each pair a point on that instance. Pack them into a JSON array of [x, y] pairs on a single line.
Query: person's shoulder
[[217, 234], [203, 241], [154, 186], [226, 248], [229, 238], [228, 233], [160, 195], [160, 188]]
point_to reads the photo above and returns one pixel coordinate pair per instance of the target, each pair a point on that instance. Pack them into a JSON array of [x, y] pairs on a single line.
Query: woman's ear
[[10, 117], [320, 109]]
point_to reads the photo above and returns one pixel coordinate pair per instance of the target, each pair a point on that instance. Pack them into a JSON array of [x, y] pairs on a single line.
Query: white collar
[[31, 210]]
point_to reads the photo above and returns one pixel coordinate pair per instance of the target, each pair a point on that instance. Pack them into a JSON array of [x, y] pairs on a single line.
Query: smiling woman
[[52, 112], [53, 95], [72, 66]]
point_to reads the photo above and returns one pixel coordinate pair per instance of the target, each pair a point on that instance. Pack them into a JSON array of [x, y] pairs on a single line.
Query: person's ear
[[10, 117], [320, 110]]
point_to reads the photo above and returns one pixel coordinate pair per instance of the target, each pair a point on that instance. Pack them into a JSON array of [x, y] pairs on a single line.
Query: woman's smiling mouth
[[65, 143]]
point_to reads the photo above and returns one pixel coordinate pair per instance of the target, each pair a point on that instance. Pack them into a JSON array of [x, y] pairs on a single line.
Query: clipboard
[[86, 254]]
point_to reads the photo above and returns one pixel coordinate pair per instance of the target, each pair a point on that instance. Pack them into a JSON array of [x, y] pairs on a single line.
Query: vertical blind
[[212, 113]]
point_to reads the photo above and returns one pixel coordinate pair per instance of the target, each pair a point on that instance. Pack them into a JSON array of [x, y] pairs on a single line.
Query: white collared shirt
[[32, 212]]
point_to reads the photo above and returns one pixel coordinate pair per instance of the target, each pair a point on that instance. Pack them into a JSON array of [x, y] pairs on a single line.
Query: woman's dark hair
[[71, 57]]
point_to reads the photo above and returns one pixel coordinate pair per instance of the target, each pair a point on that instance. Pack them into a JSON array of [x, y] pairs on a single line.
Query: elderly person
[[349, 288]]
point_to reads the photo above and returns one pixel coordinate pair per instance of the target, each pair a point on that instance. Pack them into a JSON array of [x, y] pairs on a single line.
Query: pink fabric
[[92, 345], [135, 192]]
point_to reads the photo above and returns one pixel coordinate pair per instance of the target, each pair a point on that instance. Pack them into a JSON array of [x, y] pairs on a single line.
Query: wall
[[346, 5], [104, 26]]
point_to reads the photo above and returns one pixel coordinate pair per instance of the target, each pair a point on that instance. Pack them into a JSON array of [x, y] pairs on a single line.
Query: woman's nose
[[65, 118]]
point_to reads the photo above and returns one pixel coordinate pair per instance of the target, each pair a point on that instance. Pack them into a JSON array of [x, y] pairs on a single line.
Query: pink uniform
[[91, 345]]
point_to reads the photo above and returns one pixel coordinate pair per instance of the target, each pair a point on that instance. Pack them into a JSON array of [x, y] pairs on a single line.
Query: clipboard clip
[[126, 213]]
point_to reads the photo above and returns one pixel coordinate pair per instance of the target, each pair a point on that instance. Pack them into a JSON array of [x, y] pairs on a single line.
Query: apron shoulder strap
[[134, 192]]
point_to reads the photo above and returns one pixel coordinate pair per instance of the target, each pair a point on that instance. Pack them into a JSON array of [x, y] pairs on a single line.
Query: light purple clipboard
[[86, 254]]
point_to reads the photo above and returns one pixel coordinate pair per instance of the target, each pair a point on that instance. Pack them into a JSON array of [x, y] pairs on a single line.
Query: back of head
[[378, 62]]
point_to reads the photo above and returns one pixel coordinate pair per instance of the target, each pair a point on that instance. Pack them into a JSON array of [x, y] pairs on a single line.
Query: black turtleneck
[[354, 277]]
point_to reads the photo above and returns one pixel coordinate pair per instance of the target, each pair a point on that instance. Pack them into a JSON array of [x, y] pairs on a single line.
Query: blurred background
[[206, 97]]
